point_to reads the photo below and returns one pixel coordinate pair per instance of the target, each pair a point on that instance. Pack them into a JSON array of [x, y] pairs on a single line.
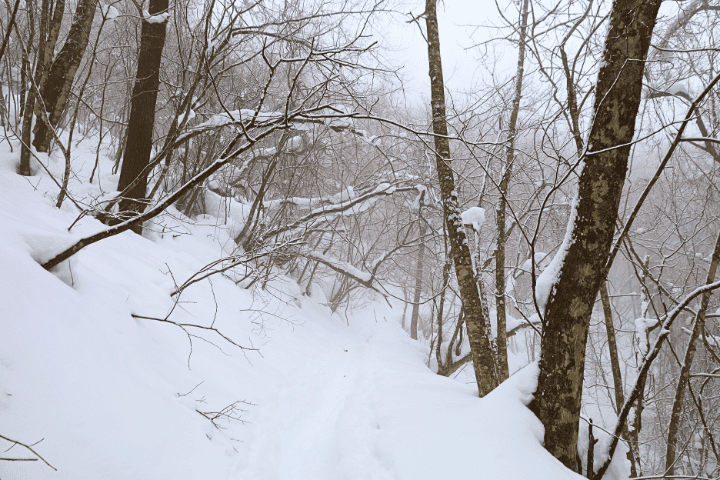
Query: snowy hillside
[[313, 395]]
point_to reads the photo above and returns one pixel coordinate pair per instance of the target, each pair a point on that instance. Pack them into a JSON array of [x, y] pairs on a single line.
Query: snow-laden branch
[[159, 18], [700, 139], [363, 278], [351, 206], [160, 207], [336, 117], [313, 202]]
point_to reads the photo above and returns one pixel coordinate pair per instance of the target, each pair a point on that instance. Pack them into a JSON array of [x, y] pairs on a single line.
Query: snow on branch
[[229, 155], [351, 206], [474, 217], [159, 18], [338, 118], [313, 202], [363, 278]]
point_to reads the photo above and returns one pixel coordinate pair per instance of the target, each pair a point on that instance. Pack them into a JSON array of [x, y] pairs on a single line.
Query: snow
[[542, 260], [108, 12], [474, 216], [159, 18], [341, 121], [327, 396], [677, 89], [546, 281], [641, 327], [340, 266], [311, 203], [619, 468], [190, 116]]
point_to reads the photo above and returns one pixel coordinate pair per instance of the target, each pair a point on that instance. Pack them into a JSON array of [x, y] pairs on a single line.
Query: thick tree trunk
[[60, 77], [142, 113], [587, 245], [481, 350], [699, 326]]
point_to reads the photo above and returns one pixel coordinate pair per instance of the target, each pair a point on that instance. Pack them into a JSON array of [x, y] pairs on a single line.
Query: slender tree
[[478, 325], [500, 209], [684, 378]]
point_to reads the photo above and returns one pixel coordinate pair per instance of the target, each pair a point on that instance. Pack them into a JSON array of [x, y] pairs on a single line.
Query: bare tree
[[478, 324]]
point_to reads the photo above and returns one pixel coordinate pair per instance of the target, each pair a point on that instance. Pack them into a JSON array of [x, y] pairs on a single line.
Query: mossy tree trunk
[[566, 318]]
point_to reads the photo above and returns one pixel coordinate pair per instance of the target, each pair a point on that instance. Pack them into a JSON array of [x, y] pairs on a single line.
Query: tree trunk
[[28, 94], [482, 355], [502, 359], [52, 37], [587, 245], [142, 113], [60, 77], [418, 280], [699, 326], [616, 372]]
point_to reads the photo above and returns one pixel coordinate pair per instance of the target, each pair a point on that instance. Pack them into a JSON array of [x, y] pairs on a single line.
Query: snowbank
[[119, 397]]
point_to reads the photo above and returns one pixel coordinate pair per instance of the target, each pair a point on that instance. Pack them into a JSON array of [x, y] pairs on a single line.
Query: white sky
[[458, 21]]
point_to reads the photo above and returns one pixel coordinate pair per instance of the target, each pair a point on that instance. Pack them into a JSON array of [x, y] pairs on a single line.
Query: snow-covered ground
[[323, 396]]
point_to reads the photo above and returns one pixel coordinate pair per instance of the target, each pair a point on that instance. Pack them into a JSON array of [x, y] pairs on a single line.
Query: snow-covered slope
[[119, 397]]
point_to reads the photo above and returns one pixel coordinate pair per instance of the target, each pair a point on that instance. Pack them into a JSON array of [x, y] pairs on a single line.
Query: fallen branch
[[231, 412], [191, 325], [15, 442]]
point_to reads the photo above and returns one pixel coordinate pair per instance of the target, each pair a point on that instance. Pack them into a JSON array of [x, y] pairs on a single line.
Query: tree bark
[[56, 88], [142, 113], [481, 350], [699, 326], [587, 246]]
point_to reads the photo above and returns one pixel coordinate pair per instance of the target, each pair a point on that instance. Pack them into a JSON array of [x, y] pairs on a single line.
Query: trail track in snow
[[321, 425]]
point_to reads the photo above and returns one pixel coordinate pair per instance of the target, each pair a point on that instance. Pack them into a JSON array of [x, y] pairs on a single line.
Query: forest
[[184, 175]]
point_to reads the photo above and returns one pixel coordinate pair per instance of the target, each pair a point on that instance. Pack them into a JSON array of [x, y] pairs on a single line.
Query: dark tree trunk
[[142, 114], [475, 320], [56, 88], [567, 315]]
